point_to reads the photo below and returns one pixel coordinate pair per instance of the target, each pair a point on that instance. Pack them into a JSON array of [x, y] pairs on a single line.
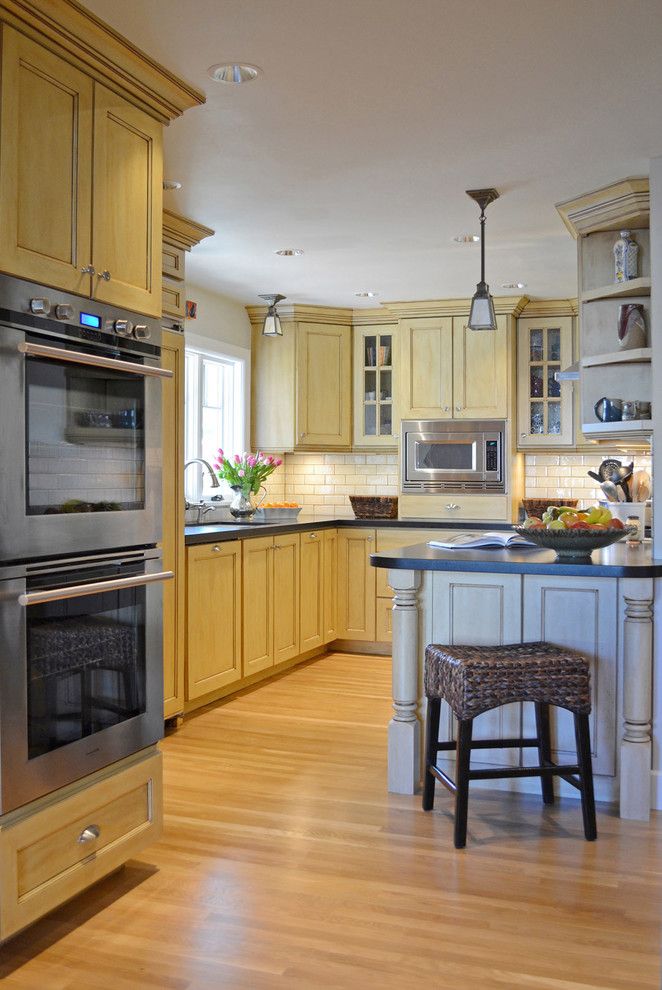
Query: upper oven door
[[81, 446]]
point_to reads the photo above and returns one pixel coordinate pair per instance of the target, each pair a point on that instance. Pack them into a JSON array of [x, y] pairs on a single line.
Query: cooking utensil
[[607, 468], [620, 476], [610, 490], [640, 486], [592, 474]]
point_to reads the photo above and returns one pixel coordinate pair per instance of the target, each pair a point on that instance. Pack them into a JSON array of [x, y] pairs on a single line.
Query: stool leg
[[583, 738], [431, 739], [462, 763], [544, 749]]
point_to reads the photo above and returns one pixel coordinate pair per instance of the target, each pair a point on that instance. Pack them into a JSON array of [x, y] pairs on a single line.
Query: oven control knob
[[141, 331], [40, 306], [123, 327], [63, 311]]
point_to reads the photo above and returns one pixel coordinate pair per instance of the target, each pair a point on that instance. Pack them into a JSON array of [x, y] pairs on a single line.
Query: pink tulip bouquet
[[245, 472]]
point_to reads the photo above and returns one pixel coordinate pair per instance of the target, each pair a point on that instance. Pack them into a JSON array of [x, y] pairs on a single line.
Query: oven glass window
[[86, 666], [85, 447], [445, 456]]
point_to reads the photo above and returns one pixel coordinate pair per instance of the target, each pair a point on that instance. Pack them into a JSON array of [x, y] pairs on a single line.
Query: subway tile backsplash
[[321, 483]]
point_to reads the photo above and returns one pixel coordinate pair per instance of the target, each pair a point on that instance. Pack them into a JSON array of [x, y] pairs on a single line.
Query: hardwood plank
[[285, 864]]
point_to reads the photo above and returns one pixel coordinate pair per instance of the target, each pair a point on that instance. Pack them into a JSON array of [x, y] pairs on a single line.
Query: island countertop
[[619, 560]]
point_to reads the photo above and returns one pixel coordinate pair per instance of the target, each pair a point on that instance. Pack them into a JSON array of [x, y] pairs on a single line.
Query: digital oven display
[[90, 320]]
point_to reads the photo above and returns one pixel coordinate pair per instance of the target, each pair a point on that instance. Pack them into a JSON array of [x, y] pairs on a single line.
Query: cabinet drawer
[[50, 854], [173, 263], [209, 551], [457, 508], [173, 300]]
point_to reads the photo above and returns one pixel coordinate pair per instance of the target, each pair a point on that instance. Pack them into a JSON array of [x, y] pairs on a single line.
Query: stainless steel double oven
[[80, 517]]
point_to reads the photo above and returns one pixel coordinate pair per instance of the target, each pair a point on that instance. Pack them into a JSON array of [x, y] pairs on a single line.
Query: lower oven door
[[81, 679]]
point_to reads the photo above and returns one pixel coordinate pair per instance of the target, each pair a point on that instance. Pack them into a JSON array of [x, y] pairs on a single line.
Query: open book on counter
[[503, 540]]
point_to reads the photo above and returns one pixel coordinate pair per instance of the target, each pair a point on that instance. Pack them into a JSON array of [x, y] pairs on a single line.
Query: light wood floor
[[285, 864]]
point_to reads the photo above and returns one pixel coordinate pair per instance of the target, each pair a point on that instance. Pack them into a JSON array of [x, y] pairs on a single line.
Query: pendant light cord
[[482, 245]]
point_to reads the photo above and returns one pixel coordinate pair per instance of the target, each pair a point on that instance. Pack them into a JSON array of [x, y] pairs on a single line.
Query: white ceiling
[[371, 119]]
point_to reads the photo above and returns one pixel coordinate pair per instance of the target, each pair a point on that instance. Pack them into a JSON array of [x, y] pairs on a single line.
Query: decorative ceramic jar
[[626, 253], [631, 326]]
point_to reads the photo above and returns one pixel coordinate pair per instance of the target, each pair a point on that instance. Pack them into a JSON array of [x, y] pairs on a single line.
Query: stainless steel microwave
[[453, 456]]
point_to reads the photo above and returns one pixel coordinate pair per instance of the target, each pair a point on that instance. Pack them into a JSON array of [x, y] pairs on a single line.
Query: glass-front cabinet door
[[545, 406], [375, 424]]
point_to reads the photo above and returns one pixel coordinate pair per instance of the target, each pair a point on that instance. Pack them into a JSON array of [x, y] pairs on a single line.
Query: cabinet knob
[[458, 408], [452, 506], [302, 436], [523, 436], [312, 536], [369, 539], [447, 408], [105, 275], [89, 834], [216, 549], [89, 270]]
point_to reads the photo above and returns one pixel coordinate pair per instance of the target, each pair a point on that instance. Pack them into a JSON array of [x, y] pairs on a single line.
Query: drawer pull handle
[[452, 506], [89, 834]]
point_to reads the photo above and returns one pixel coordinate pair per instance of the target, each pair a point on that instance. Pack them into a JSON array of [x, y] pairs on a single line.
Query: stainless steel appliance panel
[[453, 456]]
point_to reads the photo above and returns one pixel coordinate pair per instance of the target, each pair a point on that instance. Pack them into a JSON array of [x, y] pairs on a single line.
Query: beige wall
[[219, 318]]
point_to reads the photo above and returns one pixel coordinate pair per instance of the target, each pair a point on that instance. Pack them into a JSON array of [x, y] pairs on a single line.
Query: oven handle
[[94, 588], [95, 360]]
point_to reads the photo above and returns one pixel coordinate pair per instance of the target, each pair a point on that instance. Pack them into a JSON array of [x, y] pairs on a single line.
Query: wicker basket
[[536, 506], [375, 506]]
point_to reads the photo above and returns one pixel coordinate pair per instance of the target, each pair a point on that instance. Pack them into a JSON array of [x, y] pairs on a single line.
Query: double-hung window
[[216, 391]]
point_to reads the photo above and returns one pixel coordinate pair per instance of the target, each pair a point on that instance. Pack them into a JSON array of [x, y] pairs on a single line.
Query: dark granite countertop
[[219, 532], [619, 560]]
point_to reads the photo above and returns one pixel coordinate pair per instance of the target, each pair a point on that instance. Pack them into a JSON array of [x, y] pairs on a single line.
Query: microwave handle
[[93, 588], [94, 360]]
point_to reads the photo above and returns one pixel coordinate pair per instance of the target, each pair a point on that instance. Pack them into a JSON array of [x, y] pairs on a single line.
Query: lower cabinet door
[[55, 847], [213, 617], [582, 614], [356, 585], [479, 610], [286, 597], [311, 588], [258, 574], [330, 565]]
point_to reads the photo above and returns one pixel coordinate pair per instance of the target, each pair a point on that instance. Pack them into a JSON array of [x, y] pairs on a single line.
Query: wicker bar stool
[[477, 679]]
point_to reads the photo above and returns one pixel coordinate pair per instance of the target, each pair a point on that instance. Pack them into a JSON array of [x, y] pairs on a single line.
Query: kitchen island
[[602, 607]]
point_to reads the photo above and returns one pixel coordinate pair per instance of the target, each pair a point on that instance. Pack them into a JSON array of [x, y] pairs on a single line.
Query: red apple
[[616, 524], [580, 524]]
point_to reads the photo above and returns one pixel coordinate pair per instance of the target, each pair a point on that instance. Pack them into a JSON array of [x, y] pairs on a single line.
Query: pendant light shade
[[482, 316], [271, 326]]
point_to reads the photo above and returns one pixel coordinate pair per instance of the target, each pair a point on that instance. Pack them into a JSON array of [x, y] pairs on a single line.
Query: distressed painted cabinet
[[376, 422], [545, 407]]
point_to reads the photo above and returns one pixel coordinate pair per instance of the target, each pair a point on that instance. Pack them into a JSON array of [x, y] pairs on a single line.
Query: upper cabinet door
[[480, 371], [426, 361], [127, 199], [45, 168], [545, 407], [324, 389]]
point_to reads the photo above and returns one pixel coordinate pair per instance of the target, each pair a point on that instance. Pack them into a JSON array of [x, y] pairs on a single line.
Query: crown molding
[[182, 232], [622, 203], [73, 33], [503, 306], [550, 307], [372, 318], [301, 313]]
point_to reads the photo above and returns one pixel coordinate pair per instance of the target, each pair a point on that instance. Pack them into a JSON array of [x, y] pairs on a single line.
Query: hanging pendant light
[[271, 326], [482, 316]]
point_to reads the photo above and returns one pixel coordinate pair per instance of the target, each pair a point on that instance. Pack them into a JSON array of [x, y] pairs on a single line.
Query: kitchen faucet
[[201, 507]]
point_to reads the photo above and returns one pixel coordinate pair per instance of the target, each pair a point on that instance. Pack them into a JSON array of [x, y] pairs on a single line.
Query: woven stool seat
[[475, 679]]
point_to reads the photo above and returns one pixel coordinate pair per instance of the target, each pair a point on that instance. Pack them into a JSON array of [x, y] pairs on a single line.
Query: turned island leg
[[404, 762], [636, 747]]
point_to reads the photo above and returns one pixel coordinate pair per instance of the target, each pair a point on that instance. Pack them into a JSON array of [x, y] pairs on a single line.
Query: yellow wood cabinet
[[46, 122], [323, 385], [81, 177], [450, 372], [48, 852], [302, 387], [356, 584], [213, 617], [172, 543], [271, 601], [375, 385], [311, 591], [330, 582]]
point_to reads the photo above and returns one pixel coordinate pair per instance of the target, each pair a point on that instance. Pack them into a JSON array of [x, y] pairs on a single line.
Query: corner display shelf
[[637, 355], [619, 290]]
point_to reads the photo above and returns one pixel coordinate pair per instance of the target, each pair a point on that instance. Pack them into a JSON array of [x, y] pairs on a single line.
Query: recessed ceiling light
[[234, 72], [513, 285], [172, 184], [290, 252], [366, 295], [467, 238]]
